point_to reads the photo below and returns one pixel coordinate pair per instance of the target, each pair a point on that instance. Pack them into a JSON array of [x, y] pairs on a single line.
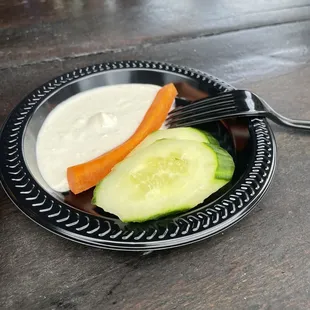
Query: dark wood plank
[[32, 31]]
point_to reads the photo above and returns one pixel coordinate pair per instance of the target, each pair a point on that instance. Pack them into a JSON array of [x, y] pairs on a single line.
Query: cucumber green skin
[[180, 133], [225, 163], [223, 174], [210, 138], [153, 216]]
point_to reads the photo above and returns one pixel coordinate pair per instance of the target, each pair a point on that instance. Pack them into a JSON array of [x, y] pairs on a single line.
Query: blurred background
[[233, 39]]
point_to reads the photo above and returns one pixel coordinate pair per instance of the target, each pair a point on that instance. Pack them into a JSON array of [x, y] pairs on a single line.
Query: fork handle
[[293, 123]]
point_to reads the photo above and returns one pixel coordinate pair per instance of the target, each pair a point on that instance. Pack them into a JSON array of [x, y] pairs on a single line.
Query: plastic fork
[[236, 103]]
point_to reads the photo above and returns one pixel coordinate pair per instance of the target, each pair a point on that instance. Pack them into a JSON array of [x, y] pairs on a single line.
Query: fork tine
[[194, 108], [204, 108], [202, 117], [206, 102]]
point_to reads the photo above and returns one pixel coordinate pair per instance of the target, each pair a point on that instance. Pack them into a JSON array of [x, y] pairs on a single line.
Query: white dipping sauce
[[87, 125]]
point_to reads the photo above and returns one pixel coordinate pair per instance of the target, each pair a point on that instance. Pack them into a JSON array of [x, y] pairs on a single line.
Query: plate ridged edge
[[91, 230]]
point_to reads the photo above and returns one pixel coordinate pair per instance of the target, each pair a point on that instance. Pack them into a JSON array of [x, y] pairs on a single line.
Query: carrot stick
[[86, 175]]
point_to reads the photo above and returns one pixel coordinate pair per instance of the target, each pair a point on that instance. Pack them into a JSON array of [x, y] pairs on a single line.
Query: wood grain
[[263, 261], [32, 31]]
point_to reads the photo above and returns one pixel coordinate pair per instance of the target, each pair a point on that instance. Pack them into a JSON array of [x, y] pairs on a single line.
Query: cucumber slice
[[181, 133], [165, 177]]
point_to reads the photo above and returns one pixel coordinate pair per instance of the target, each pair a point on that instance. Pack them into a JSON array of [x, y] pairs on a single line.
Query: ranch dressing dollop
[[87, 125]]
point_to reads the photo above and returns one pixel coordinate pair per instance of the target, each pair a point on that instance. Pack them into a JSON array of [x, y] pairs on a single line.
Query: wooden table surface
[[260, 263]]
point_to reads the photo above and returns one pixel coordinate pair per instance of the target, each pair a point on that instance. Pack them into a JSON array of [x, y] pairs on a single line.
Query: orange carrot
[[86, 175]]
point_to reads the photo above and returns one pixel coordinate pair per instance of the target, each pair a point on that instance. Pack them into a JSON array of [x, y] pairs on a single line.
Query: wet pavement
[[262, 262]]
